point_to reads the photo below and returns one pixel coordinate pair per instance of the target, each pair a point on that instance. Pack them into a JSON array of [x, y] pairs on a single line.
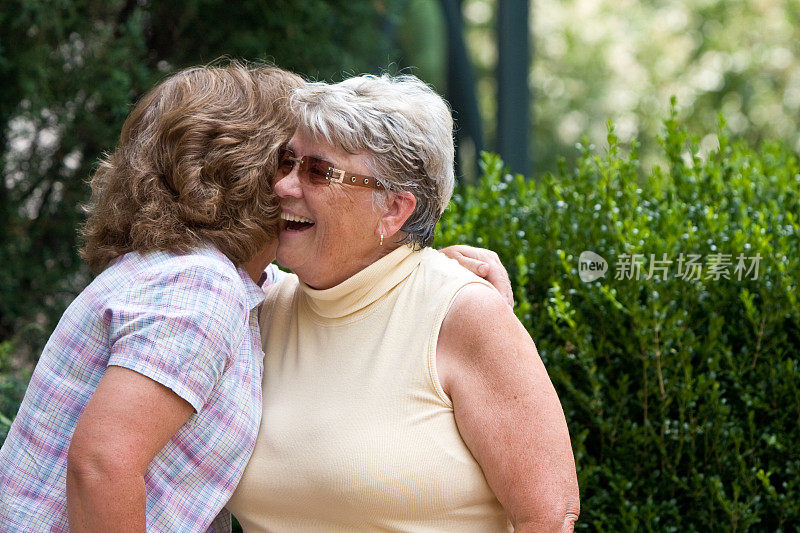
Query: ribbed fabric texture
[[357, 434]]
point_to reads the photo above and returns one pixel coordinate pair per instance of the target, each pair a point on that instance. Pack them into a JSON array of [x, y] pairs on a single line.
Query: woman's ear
[[400, 207]]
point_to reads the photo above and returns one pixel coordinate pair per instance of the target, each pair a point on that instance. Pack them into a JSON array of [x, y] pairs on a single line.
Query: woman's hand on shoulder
[[507, 411], [484, 263]]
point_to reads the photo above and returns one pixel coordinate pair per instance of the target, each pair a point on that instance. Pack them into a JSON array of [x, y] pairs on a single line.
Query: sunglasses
[[317, 171]]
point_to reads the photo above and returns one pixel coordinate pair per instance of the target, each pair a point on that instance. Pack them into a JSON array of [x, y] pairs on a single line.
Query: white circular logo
[[591, 266]]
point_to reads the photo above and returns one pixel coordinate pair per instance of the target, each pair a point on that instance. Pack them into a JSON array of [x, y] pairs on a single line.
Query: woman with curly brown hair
[[145, 404]]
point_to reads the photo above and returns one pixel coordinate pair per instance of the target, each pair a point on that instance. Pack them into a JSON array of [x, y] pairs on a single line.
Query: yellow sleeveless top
[[356, 432]]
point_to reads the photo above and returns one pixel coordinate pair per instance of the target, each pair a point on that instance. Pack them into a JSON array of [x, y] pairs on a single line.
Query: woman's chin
[[292, 244]]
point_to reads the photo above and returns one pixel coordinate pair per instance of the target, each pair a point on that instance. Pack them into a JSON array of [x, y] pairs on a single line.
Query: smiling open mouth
[[295, 223]]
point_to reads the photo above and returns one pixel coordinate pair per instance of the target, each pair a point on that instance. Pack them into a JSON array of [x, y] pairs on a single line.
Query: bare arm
[[125, 424], [484, 263], [507, 411]]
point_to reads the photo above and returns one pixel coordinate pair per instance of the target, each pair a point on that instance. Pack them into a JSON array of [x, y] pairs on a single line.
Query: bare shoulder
[[479, 299], [479, 314], [480, 333]]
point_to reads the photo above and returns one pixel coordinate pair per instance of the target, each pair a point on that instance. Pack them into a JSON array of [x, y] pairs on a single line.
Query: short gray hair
[[402, 126]]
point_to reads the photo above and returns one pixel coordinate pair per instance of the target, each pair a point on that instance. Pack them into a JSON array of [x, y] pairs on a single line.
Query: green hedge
[[682, 395]]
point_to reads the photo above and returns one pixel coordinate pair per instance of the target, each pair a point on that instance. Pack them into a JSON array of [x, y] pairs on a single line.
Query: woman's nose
[[289, 185]]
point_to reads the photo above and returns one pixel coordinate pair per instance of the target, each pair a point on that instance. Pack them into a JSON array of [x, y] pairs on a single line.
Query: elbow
[[80, 468], [553, 517], [83, 470], [558, 523], [572, 509], [569, 519], [91, 466], [566, 514], [104, 489]]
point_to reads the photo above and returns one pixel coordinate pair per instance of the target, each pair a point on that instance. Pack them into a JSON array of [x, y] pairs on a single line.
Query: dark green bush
[[12, 388], [682, 395]]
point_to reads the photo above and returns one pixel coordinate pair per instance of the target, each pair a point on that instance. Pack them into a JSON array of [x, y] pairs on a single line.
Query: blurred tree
[[461, 89], [513, 68], [622, 60], [422, 41], [322, 39], [70, 71]]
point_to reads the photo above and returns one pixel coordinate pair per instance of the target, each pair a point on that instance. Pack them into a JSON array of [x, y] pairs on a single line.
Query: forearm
[[552, 503], [100, 502]]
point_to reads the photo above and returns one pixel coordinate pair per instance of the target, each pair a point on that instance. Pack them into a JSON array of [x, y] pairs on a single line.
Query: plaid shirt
[[188, 322]]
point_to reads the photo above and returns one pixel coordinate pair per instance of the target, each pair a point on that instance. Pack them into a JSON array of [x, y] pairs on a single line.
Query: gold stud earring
[[381, 244]]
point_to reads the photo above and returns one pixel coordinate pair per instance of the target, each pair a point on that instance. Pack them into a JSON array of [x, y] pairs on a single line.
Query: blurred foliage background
[[623, 59], [70, 71]]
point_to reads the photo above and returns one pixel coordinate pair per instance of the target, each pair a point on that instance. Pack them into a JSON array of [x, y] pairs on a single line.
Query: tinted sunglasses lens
[[317, 170], [285, 162]]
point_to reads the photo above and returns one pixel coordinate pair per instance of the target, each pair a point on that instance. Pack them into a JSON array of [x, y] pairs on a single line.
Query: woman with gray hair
[[400, 392]]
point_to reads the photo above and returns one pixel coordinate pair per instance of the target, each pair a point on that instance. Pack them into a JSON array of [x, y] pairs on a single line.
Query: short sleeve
[[179, 327]]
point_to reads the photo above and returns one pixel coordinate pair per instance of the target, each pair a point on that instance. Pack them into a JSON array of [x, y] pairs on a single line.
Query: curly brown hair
[[193, 166]]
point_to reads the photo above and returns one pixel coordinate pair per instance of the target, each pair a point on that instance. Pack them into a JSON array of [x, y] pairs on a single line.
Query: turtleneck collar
[[365, 287]]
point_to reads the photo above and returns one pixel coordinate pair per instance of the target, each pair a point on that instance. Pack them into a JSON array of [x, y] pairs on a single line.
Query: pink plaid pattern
[[186, 321]]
